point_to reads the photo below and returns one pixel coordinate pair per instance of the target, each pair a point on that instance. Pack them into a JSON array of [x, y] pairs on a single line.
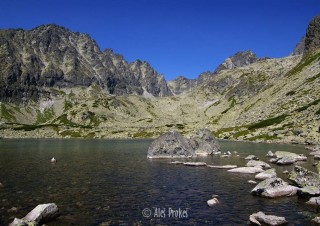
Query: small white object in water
[[53, 160]]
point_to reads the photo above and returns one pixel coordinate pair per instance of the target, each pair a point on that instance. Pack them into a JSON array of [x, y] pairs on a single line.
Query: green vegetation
[[45, 116], [6, 113], [232, 101], [268, 122], [74, 134], [307, 60], [308, 105], [262, 137], [67, 105], [290, 93], [26, 127], [93, 118], [241, 133], [144, 134], [309, 80]]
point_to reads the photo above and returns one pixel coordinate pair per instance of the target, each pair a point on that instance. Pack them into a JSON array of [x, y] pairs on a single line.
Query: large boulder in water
[[170, 145], [260, 217], [303, 177], [274, 187], [204, 143]]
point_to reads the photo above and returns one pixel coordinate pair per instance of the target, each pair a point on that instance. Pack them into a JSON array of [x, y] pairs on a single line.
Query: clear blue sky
[[177, 37]]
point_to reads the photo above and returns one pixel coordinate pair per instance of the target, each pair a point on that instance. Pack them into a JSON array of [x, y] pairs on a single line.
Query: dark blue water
[[111, 182]]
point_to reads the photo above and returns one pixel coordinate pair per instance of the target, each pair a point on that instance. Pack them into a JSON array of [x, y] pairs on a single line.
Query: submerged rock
[[270, 173], [303, 177], [41, 214], [260, 217], [270, 154], [246, 170], [252, 182], [251, 157], [13, 210], [261, 164], [274, 187], [195, 164], [170, 145], [223, 167], [177, 163], [204, 143]]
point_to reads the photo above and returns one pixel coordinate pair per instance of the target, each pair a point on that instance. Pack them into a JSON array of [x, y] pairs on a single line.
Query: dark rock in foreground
[[303, 177], [260, 217], [170, 145], [41, 214], [274, 187]]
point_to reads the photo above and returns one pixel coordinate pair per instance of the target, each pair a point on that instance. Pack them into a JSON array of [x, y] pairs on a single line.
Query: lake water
[[111, 182]]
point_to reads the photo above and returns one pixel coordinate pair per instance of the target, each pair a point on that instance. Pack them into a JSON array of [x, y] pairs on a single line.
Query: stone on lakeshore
[[246, 170], [261, 164], [251, 157], [309, 191], [176, 162], [316, 220], [270, 154], [195, 164], [252, 182], [303, 177], [270, 173], [203, 143], [274, 187], [212, 202], [223, 167], [170, 145], [260, 217], [314, 201]]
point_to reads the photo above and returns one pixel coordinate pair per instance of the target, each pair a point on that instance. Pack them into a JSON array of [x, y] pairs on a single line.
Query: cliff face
[[312, 40], [52, 56]]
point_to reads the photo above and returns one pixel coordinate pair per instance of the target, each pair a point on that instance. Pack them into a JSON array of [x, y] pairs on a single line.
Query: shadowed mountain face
[[312, 40], [52, 56]]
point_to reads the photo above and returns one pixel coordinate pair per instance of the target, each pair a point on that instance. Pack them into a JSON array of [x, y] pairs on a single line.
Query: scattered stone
[[309, 191], [260, 217], [252, 182], [53, 160], [246, 170], [212, 202], [303, 177], [314, 153], [316, 157], [270, 154], [251, 157], [287, 160], [274, 187], [13, 210], [223, 167], [273, 160], [261, 164], [285, 172], [177, 162], [170, 145], [316, 220], [225, 156], [195, 164], [270, 173], [314, 201]]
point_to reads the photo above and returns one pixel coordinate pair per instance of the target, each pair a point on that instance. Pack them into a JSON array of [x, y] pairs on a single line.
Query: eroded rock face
[[274, 187], [260, 217], [303, 177], [204, 143], [170, 145], [312, 40]]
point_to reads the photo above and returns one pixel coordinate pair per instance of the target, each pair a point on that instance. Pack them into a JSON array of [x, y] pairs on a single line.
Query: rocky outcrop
[[39, 215], [182, 84], [299, 48], [173, 145], [239, 59], [303, 177], [53, 56], [274, 187], [312, 40], [261, 218], [314, 201], [204, 143], [287, 158], [170, 145]]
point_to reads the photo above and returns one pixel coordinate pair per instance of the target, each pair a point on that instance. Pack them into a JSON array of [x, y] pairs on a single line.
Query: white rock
[[270, 173], [195, 164], [212, 202], [246, 170], [223, 167]]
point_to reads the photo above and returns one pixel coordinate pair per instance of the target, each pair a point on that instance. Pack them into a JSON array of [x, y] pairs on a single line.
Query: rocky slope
[[276, 100], [52, 56]]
